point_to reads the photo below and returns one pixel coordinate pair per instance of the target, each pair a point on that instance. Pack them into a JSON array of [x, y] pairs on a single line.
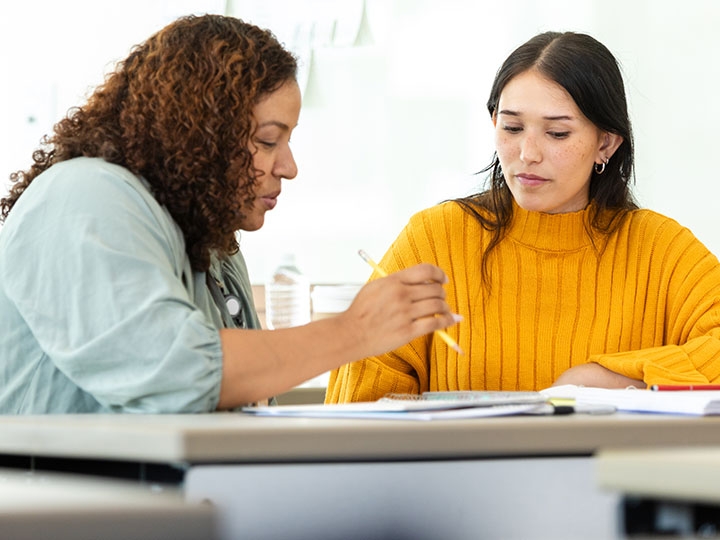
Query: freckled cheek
[[578, 152], [576, 157], [505, 147], [571, 155]]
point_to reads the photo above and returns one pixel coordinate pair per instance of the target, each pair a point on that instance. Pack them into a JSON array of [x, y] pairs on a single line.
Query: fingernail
[[457, 318]]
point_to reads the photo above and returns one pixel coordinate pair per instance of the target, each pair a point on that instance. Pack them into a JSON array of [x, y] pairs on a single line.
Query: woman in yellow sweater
[[559, 276]]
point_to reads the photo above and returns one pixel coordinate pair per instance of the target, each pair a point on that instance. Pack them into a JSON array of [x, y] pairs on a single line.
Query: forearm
[[595, 375], [258, 364], [386, 313]]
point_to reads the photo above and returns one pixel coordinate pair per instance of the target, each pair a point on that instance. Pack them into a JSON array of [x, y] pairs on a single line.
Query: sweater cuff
[[368, 380], [660, 365]]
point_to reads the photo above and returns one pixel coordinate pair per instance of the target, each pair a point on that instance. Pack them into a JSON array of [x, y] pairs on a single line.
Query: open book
[[428, 406], [690, 402]]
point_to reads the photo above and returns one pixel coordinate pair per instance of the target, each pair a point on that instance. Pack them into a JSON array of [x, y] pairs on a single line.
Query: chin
[[530, 205], [253, 223], [254, 226]]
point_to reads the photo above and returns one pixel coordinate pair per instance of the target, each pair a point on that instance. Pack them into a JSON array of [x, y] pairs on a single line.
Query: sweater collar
[[551, 232]]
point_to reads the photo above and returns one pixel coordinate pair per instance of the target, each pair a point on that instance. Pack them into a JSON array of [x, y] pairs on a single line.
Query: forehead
[[531, 92], [282, 105]]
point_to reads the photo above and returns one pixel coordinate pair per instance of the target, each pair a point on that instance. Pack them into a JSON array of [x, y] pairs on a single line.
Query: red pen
[[670, 387]]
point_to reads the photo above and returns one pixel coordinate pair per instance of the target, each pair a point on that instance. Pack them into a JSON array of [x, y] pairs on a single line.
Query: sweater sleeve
[[372, 378], [401, 370], [96, 278], [690, 352]]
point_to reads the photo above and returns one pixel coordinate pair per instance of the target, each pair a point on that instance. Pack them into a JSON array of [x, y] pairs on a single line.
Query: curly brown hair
[[178, 112]]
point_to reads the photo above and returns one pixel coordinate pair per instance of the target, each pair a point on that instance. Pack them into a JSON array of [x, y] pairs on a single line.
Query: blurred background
[[394, 93]]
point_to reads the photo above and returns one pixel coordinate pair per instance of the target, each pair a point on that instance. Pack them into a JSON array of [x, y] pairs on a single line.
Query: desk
[[505, 477], [62, 507]]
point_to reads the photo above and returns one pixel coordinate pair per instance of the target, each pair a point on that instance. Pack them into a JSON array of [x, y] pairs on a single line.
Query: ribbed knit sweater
[[643, 302]]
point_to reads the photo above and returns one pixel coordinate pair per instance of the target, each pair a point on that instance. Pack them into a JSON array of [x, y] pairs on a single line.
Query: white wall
[[394, 117], [53, 52]]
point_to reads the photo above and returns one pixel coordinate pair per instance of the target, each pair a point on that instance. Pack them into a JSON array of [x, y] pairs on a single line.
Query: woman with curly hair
[[118, 248]]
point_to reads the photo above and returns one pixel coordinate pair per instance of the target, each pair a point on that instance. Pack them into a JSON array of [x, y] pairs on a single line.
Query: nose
[[529, 150], [285, 166]]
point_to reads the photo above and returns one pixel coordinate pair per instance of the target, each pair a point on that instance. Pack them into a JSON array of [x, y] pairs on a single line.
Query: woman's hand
[[386, 314], [593, 374], [391, 311]]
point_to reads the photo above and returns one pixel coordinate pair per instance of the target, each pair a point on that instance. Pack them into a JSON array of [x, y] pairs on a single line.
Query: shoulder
[[88, 190], [647, 217], [434, 234], [86, 202], [650, 223], [442, 217], [87, 180], [652, 231]]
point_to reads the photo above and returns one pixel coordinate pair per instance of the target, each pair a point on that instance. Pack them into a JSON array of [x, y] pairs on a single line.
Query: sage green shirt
[[100, 310]]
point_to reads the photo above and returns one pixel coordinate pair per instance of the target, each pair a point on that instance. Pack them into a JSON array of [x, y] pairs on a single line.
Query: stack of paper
[[429, 406], [692, 402]]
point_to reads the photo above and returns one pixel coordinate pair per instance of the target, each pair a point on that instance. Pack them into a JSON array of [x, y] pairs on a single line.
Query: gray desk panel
[[69, 507], [503, 499]]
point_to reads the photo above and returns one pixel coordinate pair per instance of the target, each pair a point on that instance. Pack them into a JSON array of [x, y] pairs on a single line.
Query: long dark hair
[[178, 111], [589, 72]]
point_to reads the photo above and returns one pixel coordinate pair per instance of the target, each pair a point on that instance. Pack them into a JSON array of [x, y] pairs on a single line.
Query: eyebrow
[[274, 123], [558, 117]]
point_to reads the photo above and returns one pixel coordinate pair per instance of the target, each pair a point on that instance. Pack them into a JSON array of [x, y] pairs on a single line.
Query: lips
[[527, 179], [270, 200]]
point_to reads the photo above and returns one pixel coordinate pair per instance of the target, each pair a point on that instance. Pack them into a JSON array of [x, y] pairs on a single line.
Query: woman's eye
[[559, 134], [267, 144], [512, 129]]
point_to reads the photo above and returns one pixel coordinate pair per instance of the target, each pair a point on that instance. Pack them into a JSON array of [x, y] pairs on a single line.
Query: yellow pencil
[[442, 333]]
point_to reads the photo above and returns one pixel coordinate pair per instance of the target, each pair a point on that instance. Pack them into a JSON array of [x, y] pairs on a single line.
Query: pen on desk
[[671, 387], [444, 335]]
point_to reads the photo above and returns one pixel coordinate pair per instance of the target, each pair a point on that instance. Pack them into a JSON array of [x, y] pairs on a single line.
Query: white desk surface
[[662, 473], [239, 438]]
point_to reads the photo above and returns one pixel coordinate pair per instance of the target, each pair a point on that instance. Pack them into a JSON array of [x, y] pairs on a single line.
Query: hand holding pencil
[[414, 297]]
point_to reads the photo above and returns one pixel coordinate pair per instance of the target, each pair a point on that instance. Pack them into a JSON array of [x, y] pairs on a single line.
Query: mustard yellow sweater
[[646, 306]]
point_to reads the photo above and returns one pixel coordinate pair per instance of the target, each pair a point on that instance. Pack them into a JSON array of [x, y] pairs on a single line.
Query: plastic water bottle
[[287, 296]]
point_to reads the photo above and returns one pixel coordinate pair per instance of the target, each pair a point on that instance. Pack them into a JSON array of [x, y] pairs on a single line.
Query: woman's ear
[[609, 143]]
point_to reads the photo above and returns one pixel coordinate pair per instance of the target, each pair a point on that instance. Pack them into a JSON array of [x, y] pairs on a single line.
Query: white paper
[[386, 410]]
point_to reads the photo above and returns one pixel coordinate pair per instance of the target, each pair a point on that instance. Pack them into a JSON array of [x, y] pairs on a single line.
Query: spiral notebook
[[427, 406]]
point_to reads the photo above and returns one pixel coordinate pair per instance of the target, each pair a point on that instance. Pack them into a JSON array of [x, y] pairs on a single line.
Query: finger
[[427, 325], [403, 297], [432, 307], [426, 291]]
